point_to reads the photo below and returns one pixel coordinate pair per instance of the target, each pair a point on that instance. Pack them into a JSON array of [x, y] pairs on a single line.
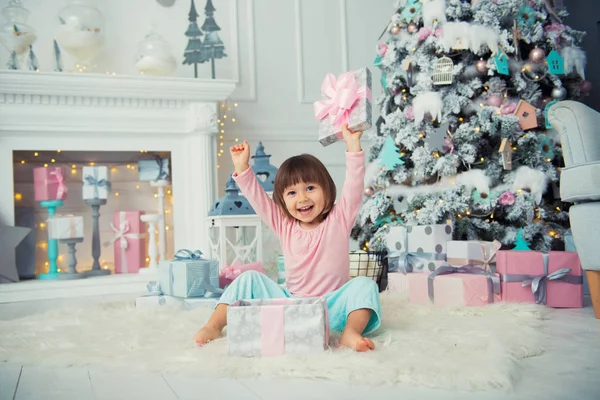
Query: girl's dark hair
[[303, 168]]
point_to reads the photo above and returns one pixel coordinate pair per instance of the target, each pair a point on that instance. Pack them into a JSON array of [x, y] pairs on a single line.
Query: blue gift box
[[189, 277], [154, 170]]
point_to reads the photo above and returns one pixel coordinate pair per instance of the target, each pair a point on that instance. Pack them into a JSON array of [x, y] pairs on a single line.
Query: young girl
[[314, 235]]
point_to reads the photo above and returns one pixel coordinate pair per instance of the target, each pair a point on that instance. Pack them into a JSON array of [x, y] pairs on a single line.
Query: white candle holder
[[162, 236], [152, 220]]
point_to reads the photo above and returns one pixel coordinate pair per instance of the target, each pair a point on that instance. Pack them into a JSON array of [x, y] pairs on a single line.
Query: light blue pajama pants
[[360, 292]]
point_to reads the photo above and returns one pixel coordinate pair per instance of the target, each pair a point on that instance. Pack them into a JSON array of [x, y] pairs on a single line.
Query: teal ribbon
[[538, 283], [153, 288], [384, 82], [185, 254], [492, 280], [96, 183]]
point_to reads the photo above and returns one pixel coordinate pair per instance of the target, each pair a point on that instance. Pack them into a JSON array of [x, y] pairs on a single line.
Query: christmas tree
[[466, 87], [193, 51], [212, 47]]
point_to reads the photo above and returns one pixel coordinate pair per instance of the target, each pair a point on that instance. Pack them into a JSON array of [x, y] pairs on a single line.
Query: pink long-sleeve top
[[316, 261]]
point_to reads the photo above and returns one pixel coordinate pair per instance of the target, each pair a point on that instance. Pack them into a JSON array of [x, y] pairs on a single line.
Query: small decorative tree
[[193, 51], [212, 47]]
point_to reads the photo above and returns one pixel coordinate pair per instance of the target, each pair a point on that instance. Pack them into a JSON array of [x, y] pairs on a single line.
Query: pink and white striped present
[[273, 327]]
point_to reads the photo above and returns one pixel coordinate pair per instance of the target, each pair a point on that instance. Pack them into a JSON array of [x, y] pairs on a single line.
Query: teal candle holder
[[53, 273]]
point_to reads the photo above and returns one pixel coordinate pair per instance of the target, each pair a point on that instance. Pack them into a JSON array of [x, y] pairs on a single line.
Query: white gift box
[[273, 327], [65, 227], [427, 242], [475, 252], [96, 182], [155, 301]]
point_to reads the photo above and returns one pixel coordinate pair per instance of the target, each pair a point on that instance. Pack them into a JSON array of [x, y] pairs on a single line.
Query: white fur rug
[[474, 348]]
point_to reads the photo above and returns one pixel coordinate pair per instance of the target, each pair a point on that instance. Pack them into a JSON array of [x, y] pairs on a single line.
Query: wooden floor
[[569, 370]]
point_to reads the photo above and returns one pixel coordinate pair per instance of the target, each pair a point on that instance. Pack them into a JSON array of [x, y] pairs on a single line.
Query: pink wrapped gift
[[449, 286], [554, 278], [129, 242], [397, 282], [49, 184], [227, 275], [273, 327]]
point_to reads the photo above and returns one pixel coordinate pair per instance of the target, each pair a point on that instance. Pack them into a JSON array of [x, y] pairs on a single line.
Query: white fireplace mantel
[[93, 112]]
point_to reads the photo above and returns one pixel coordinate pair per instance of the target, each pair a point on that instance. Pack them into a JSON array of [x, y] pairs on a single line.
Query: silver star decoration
[[10, 237]]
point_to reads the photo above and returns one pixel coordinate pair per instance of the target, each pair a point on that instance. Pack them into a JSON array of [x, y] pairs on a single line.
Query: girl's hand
[[240, 155], [352, 139]]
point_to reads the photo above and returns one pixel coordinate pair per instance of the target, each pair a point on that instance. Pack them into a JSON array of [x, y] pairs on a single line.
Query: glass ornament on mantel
[[15, 34], [81, 30], [154, 55]]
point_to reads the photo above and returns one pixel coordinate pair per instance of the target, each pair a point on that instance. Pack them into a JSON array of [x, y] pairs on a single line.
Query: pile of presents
[[427, 264]]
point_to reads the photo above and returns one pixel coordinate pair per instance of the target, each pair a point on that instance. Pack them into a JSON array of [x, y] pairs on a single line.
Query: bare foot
[[354, 341], [206, 334]]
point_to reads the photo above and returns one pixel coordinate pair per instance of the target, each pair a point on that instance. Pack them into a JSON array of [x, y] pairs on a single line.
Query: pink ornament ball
[[495, 100], [412, 27], [537, 55], [395, 30], [368, 192], [481, 66], [586, 87]]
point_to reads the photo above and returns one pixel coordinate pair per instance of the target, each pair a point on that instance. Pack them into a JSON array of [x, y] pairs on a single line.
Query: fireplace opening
[[121, 185]]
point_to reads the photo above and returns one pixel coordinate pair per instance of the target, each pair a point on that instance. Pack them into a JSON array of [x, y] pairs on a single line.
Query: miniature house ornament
[[234, 229], [527, 115], [264, 171], [501, 61]]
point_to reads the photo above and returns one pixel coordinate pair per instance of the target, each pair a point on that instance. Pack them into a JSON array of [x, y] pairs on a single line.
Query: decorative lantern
[[235, 231], [264, 171]]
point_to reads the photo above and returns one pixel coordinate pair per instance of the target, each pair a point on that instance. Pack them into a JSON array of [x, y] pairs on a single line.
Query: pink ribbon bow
[[230, 273], [60, 179], [341, 96]]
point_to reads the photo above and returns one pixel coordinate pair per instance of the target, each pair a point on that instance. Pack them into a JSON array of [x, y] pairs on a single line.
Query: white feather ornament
[[428, 102], [534, 180], [434, 11], [575, 60]]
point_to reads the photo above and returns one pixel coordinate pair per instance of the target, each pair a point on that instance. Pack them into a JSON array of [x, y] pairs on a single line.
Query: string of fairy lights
[[56, 159], [225, 121]]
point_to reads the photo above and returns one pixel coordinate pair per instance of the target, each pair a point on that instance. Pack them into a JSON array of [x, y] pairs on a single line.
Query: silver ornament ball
[[537, 55], [395, 30], [559, 93], [369, 192], [412, 27], [481, 66]]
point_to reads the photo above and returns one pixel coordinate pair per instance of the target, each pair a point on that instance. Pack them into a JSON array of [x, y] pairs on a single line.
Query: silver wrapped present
[[347, 100], [273, 327]]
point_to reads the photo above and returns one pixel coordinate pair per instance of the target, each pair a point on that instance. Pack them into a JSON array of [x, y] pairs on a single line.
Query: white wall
[[279, 51]]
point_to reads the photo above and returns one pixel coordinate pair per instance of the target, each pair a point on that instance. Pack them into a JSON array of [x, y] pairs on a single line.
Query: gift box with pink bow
[[128, 241], [347, 99], [273, 327], [49, 184], [228, 274]]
